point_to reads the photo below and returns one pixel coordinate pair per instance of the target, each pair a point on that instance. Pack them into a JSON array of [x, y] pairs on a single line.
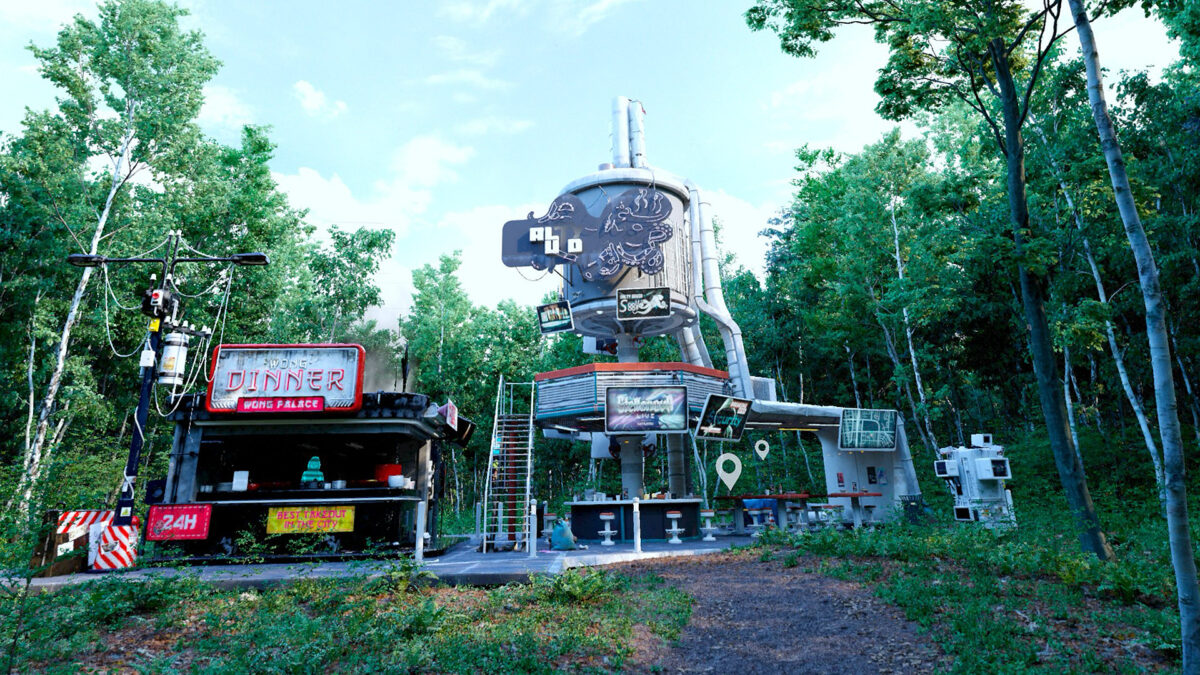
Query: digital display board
[[723, 419], [862, 429], [645, 409]]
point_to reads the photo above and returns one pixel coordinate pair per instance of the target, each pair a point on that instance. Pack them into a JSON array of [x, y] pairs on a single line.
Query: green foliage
[[577, 585], [349, 625]]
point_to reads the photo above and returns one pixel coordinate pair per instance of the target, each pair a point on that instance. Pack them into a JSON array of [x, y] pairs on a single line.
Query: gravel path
[[755, 617]]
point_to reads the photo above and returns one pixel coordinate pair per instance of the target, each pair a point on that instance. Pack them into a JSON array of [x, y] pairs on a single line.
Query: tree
[[976, 51], [132, 89], [1182, 555]]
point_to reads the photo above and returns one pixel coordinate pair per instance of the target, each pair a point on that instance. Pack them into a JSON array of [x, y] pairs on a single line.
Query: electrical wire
[[108, 323], [108, 286], [147, 253], [212, 287]]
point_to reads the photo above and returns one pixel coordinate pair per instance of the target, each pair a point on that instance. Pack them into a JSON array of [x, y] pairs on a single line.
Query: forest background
[[892, 281]]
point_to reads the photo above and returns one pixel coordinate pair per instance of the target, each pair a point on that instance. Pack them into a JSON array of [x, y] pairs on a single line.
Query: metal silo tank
[[594, 301]]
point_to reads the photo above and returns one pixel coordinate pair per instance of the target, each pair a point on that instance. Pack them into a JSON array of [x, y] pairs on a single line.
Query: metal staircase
[[510, 468]]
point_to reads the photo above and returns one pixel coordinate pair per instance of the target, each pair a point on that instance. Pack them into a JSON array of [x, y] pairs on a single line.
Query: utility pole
[[162, 306]]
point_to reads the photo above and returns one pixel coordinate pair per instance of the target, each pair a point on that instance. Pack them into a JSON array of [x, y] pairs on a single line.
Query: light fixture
[[85, 260]]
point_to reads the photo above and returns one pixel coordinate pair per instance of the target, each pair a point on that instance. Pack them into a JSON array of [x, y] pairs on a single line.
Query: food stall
[[285, 443]]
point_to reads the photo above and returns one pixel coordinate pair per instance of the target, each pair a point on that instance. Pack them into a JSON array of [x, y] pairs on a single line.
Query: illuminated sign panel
[[723, 419], [862, 429], [286, 378], [178, 522], [644, 409], [297, 520], [555, 317], [643, 303]]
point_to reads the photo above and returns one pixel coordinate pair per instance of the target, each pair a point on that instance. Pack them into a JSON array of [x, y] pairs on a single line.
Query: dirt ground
[[754, 617]]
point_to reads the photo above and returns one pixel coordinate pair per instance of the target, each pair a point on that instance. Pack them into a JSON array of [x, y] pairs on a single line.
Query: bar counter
[[586, 523]]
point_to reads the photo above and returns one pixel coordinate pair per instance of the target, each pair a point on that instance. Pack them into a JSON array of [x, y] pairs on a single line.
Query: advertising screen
[[723, 419], [862, 429], [645, 409], [555, 317]]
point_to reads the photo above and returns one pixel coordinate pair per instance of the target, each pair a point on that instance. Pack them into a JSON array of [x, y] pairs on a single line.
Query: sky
[[443, 120]]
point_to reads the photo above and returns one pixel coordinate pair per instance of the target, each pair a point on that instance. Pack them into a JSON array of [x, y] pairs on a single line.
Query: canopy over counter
[[354, 476]]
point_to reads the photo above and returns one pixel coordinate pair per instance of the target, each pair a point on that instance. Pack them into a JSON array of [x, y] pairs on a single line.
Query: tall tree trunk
[[1070, 405], [899, 367], [1135, 401], [1033, 298], [1187, 384], [37, 453], [908, 329], [1182, 554], [853, 379]]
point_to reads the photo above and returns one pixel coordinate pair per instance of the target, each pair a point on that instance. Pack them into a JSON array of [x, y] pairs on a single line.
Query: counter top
[[627, 502]]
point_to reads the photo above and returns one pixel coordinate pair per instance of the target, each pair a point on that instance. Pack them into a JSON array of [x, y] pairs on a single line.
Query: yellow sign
[[154, 325], [296, 519]]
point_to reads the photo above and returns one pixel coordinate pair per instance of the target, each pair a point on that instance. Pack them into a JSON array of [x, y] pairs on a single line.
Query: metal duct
[[698, 340], [709, 273], [620, 132], [637, 134]]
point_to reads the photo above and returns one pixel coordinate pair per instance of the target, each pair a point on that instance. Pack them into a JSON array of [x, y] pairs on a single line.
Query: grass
[[580, 620], [1012, 602]]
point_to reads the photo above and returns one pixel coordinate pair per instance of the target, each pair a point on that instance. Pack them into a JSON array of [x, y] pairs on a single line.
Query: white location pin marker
[[729, 477], [761, 448]]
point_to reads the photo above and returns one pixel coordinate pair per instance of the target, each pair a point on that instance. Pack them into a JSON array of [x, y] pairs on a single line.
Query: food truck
[[285, 455]]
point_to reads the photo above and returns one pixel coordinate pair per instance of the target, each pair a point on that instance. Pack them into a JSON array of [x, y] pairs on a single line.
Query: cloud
[[43, 16], [457, 50], [561, 18], [740, 223], [399, 202], [426, 161], [315, 103], [576, 21], [477, 233], [473, 78], [480, 12], [488, 125], [223, 109]]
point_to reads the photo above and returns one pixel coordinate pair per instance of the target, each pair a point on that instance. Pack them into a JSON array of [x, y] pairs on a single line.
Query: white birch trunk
[[853, 379], [1135, 402], [37, 452], [1182, 552], [908, 332], [1071, 404]]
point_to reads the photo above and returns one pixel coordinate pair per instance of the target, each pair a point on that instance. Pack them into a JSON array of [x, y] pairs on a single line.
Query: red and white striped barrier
[[118, 547], [110, 547], [78, 523]]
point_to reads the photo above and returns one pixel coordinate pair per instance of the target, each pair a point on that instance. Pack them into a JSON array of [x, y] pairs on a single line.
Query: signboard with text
[[645, 409], [643, 303], [178, 522], [723, 419], [297, 520], [286, 378], [555, 317]]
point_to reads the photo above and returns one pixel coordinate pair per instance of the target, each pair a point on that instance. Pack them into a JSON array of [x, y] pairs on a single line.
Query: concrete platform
[[461, 565]]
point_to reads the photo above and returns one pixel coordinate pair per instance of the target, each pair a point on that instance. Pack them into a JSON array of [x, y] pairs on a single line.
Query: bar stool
[[796, 516], [675, 530], [608, 532], [755, 524], [708, 529]]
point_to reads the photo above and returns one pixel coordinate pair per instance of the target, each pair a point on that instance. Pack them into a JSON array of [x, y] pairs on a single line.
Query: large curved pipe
[[708, 277]]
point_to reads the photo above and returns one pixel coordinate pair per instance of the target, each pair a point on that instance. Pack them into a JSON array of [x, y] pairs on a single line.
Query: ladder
[[506, 493]]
